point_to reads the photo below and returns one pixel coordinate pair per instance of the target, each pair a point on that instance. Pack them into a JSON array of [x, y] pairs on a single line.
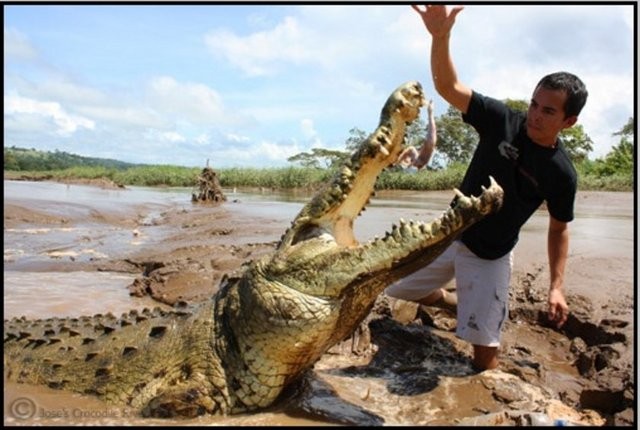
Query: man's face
[[545, 117]]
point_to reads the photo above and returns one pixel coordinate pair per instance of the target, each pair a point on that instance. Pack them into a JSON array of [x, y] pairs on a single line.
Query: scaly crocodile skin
[[266, 325]]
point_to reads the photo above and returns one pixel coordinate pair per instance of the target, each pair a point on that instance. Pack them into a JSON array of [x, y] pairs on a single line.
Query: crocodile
[[268, 322]]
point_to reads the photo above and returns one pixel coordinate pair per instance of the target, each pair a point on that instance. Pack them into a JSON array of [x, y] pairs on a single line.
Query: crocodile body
[[268, 323]]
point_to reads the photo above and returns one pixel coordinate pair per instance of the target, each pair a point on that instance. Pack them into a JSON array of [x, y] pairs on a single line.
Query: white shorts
[[482, 287]]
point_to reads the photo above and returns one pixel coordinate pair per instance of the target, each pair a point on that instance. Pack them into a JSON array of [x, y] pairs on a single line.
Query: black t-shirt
[[528, 173]]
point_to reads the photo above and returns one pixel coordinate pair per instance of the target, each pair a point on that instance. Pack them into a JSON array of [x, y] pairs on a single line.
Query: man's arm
[[439, 20], [429, 145], [558, 249]]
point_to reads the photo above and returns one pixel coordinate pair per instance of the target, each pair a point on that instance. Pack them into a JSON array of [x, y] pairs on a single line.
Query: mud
[[405, 365]]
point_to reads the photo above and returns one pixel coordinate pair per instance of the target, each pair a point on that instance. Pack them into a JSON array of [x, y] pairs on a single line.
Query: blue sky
[[250, 86]]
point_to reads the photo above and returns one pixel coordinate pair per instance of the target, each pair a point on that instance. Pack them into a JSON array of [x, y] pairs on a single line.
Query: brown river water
[[40, 280]]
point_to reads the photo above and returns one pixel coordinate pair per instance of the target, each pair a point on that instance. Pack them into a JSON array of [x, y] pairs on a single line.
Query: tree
[[328, 158], [305, 159], [10, 160], [356, 137], [520, 105], [620, 158], [627, 129], [416, 133], [456, 139], [319, 158], [577, 143]]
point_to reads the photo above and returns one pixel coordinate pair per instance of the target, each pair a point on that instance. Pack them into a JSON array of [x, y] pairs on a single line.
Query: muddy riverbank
[[409, 368]]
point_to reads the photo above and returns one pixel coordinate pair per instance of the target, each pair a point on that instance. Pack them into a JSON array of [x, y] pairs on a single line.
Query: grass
[[292, 177]]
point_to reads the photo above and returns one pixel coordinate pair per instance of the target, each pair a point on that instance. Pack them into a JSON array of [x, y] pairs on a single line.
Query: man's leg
[[485, 357], [483, 294], [441, 298], [424, 286]]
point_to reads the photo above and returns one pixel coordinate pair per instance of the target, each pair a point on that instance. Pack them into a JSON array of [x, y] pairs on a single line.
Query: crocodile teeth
[[425, 230], [406, 229], [435, 227]]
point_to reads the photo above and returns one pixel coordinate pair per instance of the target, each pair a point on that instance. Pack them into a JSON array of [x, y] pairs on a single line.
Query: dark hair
[[574, 87]]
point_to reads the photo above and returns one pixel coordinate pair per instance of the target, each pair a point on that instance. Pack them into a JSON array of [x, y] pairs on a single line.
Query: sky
[[252, 85]]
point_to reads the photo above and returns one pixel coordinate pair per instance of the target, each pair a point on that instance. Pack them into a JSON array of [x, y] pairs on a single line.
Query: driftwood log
[[208, 187]]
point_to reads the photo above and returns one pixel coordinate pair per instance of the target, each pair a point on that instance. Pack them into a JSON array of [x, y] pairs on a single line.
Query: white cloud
[[276, 152], [202, 139], [67, 123], [332, 38], [172, 136], [193, 102], [17, 46], [264, 153], [232, 137], [190, 102], [164, 137], [259, 53], [308, 131], [124, 117], [609, 106], [310, 134], [118, 109], [71, 92]]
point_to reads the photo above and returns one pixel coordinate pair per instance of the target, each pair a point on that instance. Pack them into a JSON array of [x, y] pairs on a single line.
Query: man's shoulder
[[482, 104], [478, 97], [565, 164]]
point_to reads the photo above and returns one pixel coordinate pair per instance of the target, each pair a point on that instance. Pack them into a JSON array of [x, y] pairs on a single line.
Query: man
[[411, 157], [523, 153]]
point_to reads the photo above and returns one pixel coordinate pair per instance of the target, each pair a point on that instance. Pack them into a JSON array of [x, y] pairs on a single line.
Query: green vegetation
[[614, 172], [20, 159], [170, 176], [151, 176], [442, 179], [285, 177]]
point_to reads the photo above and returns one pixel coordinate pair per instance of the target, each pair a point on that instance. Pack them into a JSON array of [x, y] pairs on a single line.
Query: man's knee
[[432, 297], [485, 357]]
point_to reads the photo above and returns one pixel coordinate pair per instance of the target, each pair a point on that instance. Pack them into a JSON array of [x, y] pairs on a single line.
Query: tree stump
[[208, 188]]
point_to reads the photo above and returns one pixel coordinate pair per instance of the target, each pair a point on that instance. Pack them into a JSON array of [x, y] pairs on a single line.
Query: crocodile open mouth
[[319, 254]]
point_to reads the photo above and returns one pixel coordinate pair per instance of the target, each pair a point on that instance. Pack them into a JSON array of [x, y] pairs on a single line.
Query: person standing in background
[[410, 156]]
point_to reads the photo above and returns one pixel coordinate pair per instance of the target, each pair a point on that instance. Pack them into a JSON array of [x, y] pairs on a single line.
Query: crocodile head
[[289, 307]]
